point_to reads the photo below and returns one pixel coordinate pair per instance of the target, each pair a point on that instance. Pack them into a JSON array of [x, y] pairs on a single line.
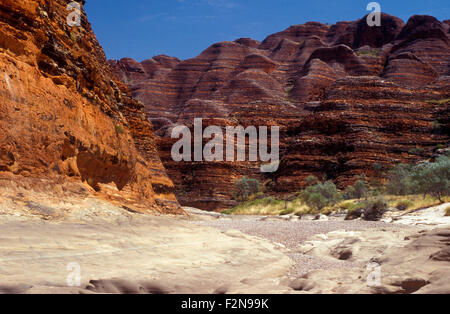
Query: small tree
[[361, 189], [429, 178], [244, 188], [288, 198], [316, 201], [433, 178], [330, 192], [378, 168], [376, 186], [349, 193], [321, 195], [311, 180], [400, 181]]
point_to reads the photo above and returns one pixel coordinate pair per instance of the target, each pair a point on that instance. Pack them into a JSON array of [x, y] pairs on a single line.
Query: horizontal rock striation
[[65, 117], [363, 125], [347, 97]]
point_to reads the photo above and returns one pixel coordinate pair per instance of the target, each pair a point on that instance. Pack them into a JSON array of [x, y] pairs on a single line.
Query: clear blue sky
[[141, 29]]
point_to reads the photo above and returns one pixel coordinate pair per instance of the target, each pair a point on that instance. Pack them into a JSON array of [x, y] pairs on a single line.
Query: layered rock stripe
[[65, 117], [348, 98]]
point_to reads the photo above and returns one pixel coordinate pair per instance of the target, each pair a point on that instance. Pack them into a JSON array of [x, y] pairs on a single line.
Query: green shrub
[[376, 187], [359, 190], [312, 180], [73, 36], [437, 127], [378, 168], [289, 89], [433, 178], [400, 180], [349, 193], [416, 151], [256, 196], [321, 195], [309, 211], [120, 129], [246, 188], [404, 205], [438, 102], [368, 52], [376, 183], [316, 201]]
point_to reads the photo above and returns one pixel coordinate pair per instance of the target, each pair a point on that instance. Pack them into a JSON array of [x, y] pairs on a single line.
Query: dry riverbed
[[44, 246], [404, 253]]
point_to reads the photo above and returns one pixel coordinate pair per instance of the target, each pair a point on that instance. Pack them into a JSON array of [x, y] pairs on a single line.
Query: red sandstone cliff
[[349, 98], [63, 115]]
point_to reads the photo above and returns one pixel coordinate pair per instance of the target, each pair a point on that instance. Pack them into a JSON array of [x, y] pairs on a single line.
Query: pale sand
[[429, 218], [412, 254], [162, 252], [123, 252], [42, 234]]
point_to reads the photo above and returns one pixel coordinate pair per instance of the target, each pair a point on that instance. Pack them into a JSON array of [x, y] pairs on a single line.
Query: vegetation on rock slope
[[407, 187]]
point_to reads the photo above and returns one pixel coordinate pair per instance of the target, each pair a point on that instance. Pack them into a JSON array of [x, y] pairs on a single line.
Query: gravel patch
[[293, 234]]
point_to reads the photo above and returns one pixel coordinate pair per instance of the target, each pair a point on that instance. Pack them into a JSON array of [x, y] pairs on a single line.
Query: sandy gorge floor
[[43, 243], [406, 253], [147, 254]]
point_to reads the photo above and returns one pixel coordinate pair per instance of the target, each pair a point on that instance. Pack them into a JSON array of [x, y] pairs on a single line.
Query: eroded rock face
[[358, 33], [362, 122], [403, 261], [346, 96], [64, 116]]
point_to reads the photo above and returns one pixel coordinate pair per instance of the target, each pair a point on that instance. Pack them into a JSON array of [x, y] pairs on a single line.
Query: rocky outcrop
[[296, 33], [407, 68], [361, 123], [347, 97], [358, 33], [413, 262], [64, 116]]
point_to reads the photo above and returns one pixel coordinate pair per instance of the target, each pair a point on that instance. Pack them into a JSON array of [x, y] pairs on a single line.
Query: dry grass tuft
[[270, 206]]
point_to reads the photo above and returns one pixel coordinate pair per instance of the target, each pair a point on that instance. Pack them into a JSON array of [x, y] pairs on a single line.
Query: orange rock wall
[[63, 115], [348, 98]]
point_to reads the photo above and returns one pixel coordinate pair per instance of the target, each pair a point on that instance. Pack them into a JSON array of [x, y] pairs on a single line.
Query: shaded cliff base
[[59, 198]]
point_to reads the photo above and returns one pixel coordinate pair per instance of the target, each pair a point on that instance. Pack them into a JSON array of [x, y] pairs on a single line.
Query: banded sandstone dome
[[349, 98], [64, 118]]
